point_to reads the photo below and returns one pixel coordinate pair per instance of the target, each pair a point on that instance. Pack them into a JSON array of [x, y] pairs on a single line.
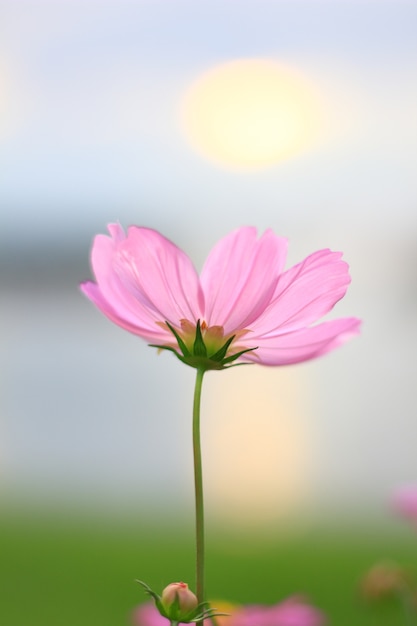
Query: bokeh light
[[259, 450], [251, 113]]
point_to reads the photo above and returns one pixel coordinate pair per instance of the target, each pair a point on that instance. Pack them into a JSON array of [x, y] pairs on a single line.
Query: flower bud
[[383, 580], [178, 601]]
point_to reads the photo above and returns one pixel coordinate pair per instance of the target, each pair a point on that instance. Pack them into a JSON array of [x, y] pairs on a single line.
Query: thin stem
[[198, 482]]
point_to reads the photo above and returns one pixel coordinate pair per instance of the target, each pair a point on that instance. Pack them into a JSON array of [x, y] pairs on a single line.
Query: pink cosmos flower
[[404, 501], [291, 612], [242, 306]]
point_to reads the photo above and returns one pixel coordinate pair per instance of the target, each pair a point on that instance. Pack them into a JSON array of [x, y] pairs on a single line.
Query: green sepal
[[181, 343], [206, 613], [199, 357], [199, 347], [174, 610], [170, 349], [206, 363], [220, 354], [156, 598], [233, 357]]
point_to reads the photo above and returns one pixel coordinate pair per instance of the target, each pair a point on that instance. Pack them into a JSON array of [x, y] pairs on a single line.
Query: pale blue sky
[[90, 124]]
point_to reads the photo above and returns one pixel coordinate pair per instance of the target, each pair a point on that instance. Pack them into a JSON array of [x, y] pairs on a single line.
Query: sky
[[91, 124], [93, 130]]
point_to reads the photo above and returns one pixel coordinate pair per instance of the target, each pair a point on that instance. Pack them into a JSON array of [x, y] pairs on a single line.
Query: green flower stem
[[198, 482]]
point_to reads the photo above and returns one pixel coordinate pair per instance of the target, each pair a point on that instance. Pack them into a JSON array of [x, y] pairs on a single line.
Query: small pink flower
[[404, 501], [291, 612], [294, 612], [242, 306]]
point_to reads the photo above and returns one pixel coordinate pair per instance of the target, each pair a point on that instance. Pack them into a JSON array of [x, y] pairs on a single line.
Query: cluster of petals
[[143, 281], [293, 611], [404, 502]]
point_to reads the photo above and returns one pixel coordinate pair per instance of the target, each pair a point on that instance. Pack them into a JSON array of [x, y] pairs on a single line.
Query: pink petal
[[148, 615], [250, 615], [144, 278], [163, 273], [92, 291], [239, 277], [301, 345], [305, 293], [291, 612], [113, 295], [404, 501], [295, 612], [116, 231]]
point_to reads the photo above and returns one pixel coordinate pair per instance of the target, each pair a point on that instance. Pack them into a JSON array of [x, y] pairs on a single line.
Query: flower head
[[243, 306], [178, 601]]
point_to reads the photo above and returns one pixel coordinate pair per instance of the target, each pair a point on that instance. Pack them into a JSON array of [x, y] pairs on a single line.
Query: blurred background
[[195, 118]]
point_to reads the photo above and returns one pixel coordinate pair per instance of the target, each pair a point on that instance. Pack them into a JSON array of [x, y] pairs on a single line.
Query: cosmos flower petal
[[151, 333], [162, 272], [304, 293], [301, 345], [116, 231], [127, 304], [144, 278], [240, 275], [293, 611]]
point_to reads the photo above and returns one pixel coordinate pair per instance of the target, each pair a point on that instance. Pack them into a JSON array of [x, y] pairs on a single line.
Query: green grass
[[55, 573]]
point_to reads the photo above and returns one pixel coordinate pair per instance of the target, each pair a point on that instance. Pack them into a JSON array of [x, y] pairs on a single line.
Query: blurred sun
[[251, 113]]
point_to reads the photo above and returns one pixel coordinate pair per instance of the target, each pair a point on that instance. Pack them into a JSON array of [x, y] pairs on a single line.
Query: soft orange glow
[[251, 113], [258, 454]]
